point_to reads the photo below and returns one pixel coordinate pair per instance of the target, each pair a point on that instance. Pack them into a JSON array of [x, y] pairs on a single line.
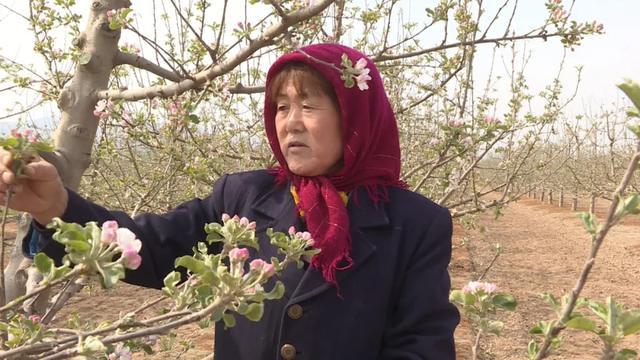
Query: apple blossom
[[109, 229], [238, 255]]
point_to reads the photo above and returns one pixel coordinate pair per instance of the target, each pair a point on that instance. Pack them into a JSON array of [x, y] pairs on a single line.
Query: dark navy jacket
[[393, 301]]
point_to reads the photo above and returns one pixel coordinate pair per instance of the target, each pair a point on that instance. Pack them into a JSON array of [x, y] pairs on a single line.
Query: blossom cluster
[[27, 134], [304, 235], [126, 241], [473, 287], [363, 74], [103, 108], [242, 221]]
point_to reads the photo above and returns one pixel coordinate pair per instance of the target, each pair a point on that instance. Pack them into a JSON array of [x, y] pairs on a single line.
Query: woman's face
[[309, 131]]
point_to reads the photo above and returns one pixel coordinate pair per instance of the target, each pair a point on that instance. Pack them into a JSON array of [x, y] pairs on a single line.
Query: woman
[[379, 287]]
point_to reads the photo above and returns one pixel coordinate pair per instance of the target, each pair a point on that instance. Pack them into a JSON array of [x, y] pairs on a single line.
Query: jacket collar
[[364, 216]]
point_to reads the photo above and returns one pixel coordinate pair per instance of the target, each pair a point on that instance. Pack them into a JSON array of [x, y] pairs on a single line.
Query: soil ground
[[544, 249]]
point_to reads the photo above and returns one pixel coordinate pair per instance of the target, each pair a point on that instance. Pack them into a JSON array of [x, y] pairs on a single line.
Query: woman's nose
[[294, 120]]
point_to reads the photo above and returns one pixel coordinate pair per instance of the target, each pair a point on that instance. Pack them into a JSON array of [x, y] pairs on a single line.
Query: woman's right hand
[[39, 191]]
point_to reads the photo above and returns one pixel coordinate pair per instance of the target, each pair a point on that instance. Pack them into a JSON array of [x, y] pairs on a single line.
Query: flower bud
[[131, 259], [225, 218], [238, 255], [109, 229], [292, 230]]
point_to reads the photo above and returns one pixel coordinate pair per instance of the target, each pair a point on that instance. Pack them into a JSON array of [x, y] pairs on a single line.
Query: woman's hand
[[39, 191]]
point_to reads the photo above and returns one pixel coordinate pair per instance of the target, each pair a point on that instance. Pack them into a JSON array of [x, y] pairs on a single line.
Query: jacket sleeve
[[423, 320], [164, 237]]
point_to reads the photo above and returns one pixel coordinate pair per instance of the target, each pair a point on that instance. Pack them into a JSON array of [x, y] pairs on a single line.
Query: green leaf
[[275, 293], [170, 281], [632, 90], [630, 322], [84, 59], [582, 323], [193, 118], [504, 301], [589, 221], [495, 327], [254, 311], [598, 309], [532, 349], [111, 274], [192, 264], [43, 263], [626, 354], [78, 245], [229, 320], [631, 204]]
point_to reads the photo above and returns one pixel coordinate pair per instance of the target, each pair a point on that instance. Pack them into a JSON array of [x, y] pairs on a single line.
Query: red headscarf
[[371, 155]]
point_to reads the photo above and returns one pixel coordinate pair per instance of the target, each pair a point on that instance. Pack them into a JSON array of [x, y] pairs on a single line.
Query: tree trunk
[[76, 132]]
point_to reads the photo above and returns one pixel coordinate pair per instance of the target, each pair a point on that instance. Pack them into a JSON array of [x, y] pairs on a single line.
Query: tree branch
[[221, 68], [139, 62]]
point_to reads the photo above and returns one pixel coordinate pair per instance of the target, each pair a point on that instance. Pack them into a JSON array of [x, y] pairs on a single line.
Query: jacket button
[[295, 311], [288, 352]]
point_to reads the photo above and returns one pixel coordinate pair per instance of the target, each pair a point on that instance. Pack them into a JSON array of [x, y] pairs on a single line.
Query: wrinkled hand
[[39, 191]]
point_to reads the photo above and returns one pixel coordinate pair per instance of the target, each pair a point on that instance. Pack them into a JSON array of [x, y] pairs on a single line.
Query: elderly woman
[[379, 287]]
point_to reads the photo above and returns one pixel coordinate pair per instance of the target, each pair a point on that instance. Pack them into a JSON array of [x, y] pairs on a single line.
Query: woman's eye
[[282, 108], [307, 107]]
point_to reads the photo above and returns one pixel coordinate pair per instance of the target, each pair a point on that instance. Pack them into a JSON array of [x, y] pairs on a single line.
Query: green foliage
[[479, 303], [612, 324]]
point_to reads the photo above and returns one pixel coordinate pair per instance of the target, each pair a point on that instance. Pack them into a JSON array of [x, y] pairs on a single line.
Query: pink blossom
[[490, 120], [268, 270], [474, 286], [292, 230], [130, 247], [434, 142], [121, 353], [263, 267], [244, 221], [33, 138], [110, 14], [456, 122], [257, 264], [252, 225], [238, 255], [362, 79], [225, 218], [16, 134], [362, 74], [174, 107], [131, 259], [109, 229], [35, 318], [102, 108], [361, 64]]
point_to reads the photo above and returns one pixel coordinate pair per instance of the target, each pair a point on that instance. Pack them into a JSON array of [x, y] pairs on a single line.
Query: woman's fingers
[[40, 171], [8, 177]]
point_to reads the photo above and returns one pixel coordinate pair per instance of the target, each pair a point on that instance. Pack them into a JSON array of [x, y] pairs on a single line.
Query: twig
[[205, 76], [144, 64], [4, 225], [595, 246], [476, 345]]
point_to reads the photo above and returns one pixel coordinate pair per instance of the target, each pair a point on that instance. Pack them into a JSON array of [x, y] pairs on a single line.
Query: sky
[[605, 59]]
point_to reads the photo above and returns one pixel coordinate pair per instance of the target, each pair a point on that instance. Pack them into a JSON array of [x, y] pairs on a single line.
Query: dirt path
[[544, 249]]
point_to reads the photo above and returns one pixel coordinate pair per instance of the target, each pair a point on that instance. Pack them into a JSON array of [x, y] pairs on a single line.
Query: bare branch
[[221, 68], [382, 58], [139, 62]]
